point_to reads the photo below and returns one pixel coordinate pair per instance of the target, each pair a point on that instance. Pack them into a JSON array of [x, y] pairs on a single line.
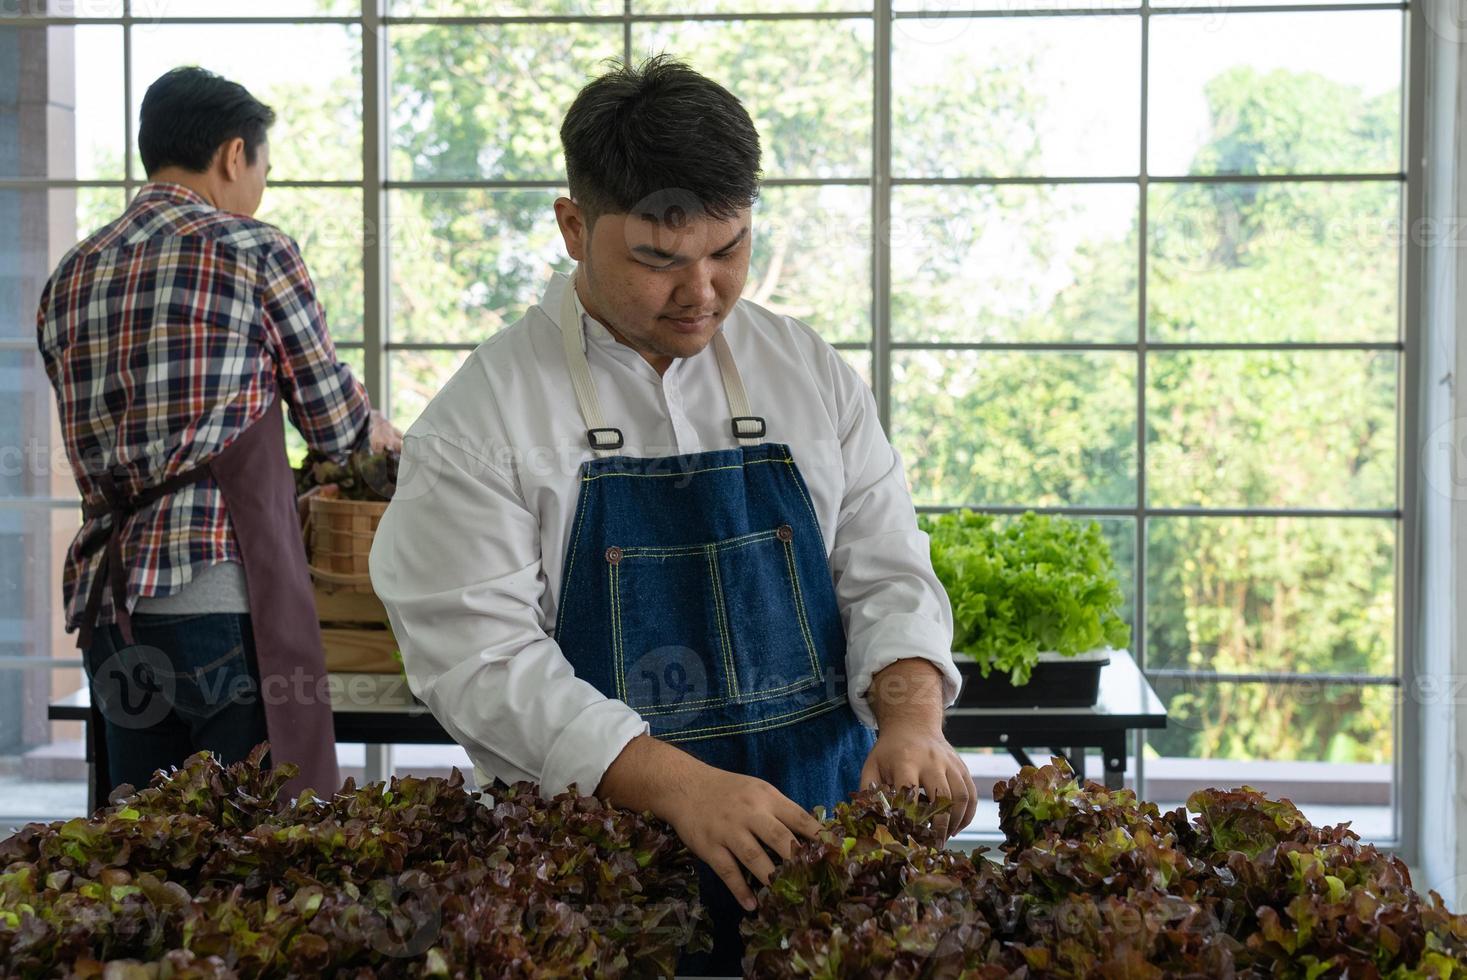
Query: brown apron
[[255, 478]]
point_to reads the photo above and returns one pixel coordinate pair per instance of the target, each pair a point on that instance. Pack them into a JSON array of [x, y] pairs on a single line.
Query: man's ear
[[232, 158], [573, 229]]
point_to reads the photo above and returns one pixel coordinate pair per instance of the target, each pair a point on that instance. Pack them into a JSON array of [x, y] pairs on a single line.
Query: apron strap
[[604, 441], [111, 572], [747, 428]]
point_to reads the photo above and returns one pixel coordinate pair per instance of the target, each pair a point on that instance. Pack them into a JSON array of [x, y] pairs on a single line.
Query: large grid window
[[1134, 262]]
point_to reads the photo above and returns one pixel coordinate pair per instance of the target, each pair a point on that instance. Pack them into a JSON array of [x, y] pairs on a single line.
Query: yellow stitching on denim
[[670, 709], [779, 721], [676, 551], [710, 469], [721, 618], [789, 557], [714, 728], [619, 658], [790, 463], [571, 565]]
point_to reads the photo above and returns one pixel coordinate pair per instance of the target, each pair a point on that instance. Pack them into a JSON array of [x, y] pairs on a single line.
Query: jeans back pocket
[[208, 657]]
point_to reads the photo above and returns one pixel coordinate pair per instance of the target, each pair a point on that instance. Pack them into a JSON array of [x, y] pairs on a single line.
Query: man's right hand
[[726, 819], [383, 435]]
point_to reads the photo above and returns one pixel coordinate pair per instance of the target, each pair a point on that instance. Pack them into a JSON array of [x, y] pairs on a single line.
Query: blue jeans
[[189, 683]]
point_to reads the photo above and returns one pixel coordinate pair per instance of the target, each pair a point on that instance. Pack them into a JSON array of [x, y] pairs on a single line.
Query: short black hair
[[661, 140], [189, 112]]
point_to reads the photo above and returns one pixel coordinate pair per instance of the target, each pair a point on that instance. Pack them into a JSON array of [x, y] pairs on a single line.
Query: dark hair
[[189, 112], [661, 140]]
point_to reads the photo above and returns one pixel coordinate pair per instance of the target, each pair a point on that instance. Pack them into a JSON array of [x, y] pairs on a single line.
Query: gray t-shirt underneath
[[217, 589]]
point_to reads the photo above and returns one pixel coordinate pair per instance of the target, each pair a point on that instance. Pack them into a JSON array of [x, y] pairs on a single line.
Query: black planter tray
[[1055, 682]]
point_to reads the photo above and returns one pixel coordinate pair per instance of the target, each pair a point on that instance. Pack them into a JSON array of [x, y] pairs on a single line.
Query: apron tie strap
[[111, 572]]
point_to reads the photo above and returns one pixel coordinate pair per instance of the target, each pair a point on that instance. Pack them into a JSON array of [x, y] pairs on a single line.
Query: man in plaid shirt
[[167, 335]]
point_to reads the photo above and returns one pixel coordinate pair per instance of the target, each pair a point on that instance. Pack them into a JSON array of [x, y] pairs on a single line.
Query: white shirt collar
[[594, 330]]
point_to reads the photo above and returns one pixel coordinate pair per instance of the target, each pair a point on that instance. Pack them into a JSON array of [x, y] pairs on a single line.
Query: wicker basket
[[354, 626], [339, 539]]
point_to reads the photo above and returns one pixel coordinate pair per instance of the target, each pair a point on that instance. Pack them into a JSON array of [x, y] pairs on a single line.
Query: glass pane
[[487, 102], [1295, 595], [806, 84], [463, 264], [806, 240], [164, 9], [33, 461], [37, 228], [1264, 263], [1276, 93], [327, 225], [744, 6], [1016, 428], [1312, 429], [414, 377], [1028, 96], [80, 8], [503, 8], [310, 75], [1014, 263], [939, 10], [61, 112], [1329, 748], [42, 765]]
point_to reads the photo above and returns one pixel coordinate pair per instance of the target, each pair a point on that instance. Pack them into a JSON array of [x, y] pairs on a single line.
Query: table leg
[[94, 737], [378, 767], [1077, 762], [1114, 748], [1020, 756]]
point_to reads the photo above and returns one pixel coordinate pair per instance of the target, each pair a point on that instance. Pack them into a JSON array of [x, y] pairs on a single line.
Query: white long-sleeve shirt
[[469, 555]]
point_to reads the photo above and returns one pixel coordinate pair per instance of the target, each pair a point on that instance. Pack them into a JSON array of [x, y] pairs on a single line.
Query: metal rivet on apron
[[785, 533], [613, 555]]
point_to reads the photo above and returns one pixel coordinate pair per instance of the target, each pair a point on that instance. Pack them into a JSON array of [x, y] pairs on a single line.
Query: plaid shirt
[[165, 335]]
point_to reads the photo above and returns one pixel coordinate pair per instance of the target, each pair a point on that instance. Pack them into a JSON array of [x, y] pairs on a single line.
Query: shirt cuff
[[898, 637], [588, 746]]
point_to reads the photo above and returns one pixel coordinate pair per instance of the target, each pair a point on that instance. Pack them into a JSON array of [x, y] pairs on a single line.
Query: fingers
[[788, 812], [727, 868], [937, 787], [870, 773], [751, 854], [777, 837], [962, 782]]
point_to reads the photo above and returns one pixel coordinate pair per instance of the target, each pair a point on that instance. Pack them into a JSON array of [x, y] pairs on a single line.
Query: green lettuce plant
[[1024, 586]]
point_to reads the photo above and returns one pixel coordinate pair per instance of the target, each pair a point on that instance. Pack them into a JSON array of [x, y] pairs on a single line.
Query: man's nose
[[695, 291]]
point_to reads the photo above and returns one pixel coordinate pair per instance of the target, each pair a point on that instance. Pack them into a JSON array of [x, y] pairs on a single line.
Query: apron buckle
[[748, 427], [607, 438]]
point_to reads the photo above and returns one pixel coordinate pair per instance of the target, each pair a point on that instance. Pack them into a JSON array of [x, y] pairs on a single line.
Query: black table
[[378, 711], [1127, 702]]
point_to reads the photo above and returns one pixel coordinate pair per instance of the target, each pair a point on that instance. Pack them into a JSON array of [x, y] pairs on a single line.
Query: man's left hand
[[907, 699], [914, 756]]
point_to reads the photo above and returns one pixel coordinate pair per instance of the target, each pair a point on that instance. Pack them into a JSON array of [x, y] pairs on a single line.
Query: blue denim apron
[[697, 589]]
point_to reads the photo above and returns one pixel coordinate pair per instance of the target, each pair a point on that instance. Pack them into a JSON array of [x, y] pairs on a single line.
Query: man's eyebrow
[[654, 252], [668, 256], [743, 233]]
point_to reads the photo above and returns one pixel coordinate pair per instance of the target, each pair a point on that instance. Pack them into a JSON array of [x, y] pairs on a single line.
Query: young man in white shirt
[[651, 539]]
